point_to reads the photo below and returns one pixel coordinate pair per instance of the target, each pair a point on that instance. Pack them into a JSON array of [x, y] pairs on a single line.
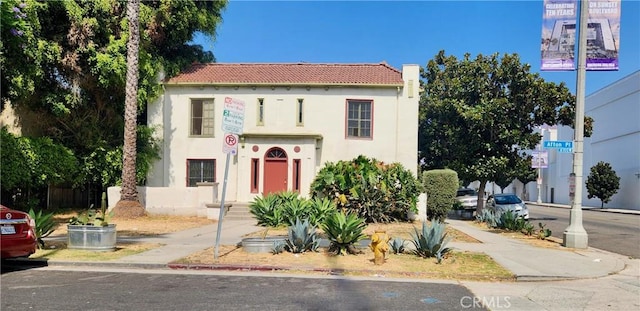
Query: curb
[[595, 209]]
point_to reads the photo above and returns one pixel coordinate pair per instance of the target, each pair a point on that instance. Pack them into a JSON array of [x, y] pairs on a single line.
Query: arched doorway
[[275, 171]]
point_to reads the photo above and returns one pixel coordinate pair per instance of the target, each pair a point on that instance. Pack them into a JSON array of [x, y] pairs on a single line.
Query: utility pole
[[575, 236], [539, 179]]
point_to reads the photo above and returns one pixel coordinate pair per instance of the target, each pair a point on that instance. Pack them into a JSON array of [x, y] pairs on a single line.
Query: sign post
[[232, 124]]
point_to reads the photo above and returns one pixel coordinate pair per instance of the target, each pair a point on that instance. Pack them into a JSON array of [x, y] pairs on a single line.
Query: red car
[[18, 235]]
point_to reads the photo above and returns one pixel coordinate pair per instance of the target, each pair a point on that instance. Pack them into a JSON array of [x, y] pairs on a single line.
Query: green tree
[[478, 115], [69, 66], [22, 53], [602, 182], [32, 163], [517, 168]]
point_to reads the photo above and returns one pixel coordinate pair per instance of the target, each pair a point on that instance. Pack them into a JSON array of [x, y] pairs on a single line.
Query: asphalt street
[[614, 232], [88, 290]]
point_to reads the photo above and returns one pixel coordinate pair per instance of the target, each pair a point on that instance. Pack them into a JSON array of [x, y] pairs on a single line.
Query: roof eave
[[248, 84]]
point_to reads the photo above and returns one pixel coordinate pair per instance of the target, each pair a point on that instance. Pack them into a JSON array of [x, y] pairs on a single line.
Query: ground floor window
[[200, 170], [296, 175], [255, 174]]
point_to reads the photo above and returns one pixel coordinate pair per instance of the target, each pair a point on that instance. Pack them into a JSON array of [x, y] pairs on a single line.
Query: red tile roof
[[290, 74]]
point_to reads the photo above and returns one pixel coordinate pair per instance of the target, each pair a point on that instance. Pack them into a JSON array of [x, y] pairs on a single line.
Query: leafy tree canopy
[[478, 115], [602, 182], [66, 61]]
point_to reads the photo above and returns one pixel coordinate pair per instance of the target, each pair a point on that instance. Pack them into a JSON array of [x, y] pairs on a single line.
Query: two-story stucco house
[[297, 117]]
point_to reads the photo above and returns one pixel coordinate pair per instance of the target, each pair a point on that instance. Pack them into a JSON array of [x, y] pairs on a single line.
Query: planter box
[[91, 237], [260, 245]]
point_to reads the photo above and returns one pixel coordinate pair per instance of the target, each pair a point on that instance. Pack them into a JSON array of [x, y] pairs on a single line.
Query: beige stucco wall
[[395, 130]]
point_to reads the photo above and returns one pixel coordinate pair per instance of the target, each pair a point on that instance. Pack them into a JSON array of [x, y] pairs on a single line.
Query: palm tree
[[129, 206]]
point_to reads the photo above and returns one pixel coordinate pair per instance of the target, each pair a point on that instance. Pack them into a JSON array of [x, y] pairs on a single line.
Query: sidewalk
[[546, 279], [525, 261]]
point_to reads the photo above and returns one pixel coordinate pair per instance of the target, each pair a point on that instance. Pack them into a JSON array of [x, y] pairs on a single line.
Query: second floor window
[[300, 112], [202, 117], [260, 113], [359, 118]]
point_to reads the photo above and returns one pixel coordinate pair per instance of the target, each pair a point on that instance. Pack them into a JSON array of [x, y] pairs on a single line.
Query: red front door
[[275, 171]]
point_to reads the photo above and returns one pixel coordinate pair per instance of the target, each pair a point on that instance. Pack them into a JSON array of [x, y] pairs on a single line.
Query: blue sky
[[401, 32]]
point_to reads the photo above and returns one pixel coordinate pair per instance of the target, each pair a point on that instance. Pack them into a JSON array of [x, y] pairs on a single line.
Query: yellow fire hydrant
[[379, 245]]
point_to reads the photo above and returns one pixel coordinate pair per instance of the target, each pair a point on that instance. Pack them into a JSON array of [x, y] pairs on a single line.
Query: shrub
[[441, 187], [528, 229], [344, 229], [376, 191], [543, 232], [431, 241]]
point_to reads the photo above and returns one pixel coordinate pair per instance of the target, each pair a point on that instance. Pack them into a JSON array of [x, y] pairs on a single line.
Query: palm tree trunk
[[129, 204]]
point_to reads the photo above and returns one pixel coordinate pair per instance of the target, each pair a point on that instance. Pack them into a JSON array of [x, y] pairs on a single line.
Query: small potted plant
[[91, 229]]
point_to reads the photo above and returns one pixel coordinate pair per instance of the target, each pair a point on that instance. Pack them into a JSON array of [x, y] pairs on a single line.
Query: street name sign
[[233, 116], [558, 144]]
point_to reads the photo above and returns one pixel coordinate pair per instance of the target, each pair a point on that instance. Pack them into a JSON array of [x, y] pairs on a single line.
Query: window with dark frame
[[260, 113], [296, 175], [255, 175], [359, 118], [200, 170], [202, 117], [300, 112]]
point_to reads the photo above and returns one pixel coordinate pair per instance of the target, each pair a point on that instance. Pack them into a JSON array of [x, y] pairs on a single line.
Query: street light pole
[[539, 179], [574, 235]]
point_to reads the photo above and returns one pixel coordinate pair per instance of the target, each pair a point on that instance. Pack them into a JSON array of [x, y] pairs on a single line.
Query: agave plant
[[302, 237], [488, 217], [431, 241], [45, 225], [278, 247], [266, 210], [321, 208], [295, 209], [397, 245], [344, 230]]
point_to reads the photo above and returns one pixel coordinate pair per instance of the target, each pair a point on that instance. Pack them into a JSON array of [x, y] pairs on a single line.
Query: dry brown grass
[[457, 265], [141, 226], [56, 248]]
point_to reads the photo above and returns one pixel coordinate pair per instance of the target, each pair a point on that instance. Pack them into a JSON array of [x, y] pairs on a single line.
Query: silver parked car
[[468, 198], [499, 203]]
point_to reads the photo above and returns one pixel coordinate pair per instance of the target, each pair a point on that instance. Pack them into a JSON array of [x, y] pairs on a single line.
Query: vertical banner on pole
[[558, 35], [603, 35]]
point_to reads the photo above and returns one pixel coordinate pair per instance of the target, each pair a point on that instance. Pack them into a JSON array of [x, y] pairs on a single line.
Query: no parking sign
[[230, 144]]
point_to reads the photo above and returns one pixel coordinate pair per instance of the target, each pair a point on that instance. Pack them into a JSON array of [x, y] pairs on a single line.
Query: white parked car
[[500, 203]]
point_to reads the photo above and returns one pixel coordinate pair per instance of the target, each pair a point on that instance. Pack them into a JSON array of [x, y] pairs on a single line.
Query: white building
[[296, 118], [615, 140]]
